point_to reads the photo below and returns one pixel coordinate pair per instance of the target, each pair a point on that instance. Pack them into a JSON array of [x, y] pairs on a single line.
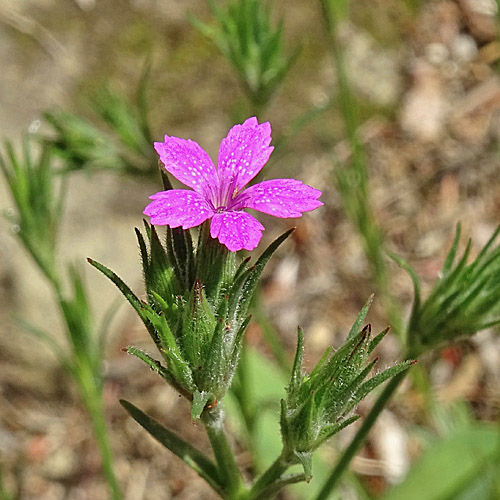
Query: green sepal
[[192, 457], [171, 312], [215, 266], [256, 271], [179, 245], [198, 325], [241, 268], [301, 423], [359, 354], [181, 254], [214, 368], [340, 364]]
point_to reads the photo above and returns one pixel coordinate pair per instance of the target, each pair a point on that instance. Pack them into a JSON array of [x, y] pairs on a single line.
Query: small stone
[[423, 110], [436, 53], [480, 18], [61, 464], [464, 48]]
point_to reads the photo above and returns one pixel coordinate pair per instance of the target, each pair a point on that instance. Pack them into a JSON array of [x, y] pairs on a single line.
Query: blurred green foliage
[[245, 34], [38, 192], [465, 297], [123, 145]]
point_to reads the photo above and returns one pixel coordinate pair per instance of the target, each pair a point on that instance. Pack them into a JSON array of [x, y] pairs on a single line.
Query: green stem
[[228, 469], [269, 477], [92, 398], [353, 183], [360, 436]]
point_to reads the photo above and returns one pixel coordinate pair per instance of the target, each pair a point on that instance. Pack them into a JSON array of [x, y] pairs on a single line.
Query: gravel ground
[[429, 88]]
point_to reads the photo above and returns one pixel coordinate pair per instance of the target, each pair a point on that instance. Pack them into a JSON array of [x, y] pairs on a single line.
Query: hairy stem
[[229, 472], [270, 476]]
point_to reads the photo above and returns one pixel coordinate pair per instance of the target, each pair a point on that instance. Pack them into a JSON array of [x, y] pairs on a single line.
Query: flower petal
[[279, 197], [188, 162], [178, 207], [242, 154], [236, 230]]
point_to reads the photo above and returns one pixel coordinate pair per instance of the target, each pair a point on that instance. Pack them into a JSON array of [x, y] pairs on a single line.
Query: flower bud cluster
[[465, 297], [196, 310], [319, 404]]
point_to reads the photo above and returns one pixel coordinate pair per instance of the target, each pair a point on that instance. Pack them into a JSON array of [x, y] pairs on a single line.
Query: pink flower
[[218, 194]]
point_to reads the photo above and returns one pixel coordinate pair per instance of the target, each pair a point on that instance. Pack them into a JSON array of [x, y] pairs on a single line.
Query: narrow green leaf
[[356, 327], [104, 327], [144, 254], [50, 341], [486, 247], [129, 295], [414, 278], [448, 263], [192, 457], [169, 349], [340, 394], [376, 341], [330, 430], [155, 365], [238, 343], [443, 284], [378, 379], [143, 102], [320, 364], [296, 377]]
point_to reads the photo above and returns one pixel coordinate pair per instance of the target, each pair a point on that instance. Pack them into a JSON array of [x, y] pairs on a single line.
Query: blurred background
[[425, 79]]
